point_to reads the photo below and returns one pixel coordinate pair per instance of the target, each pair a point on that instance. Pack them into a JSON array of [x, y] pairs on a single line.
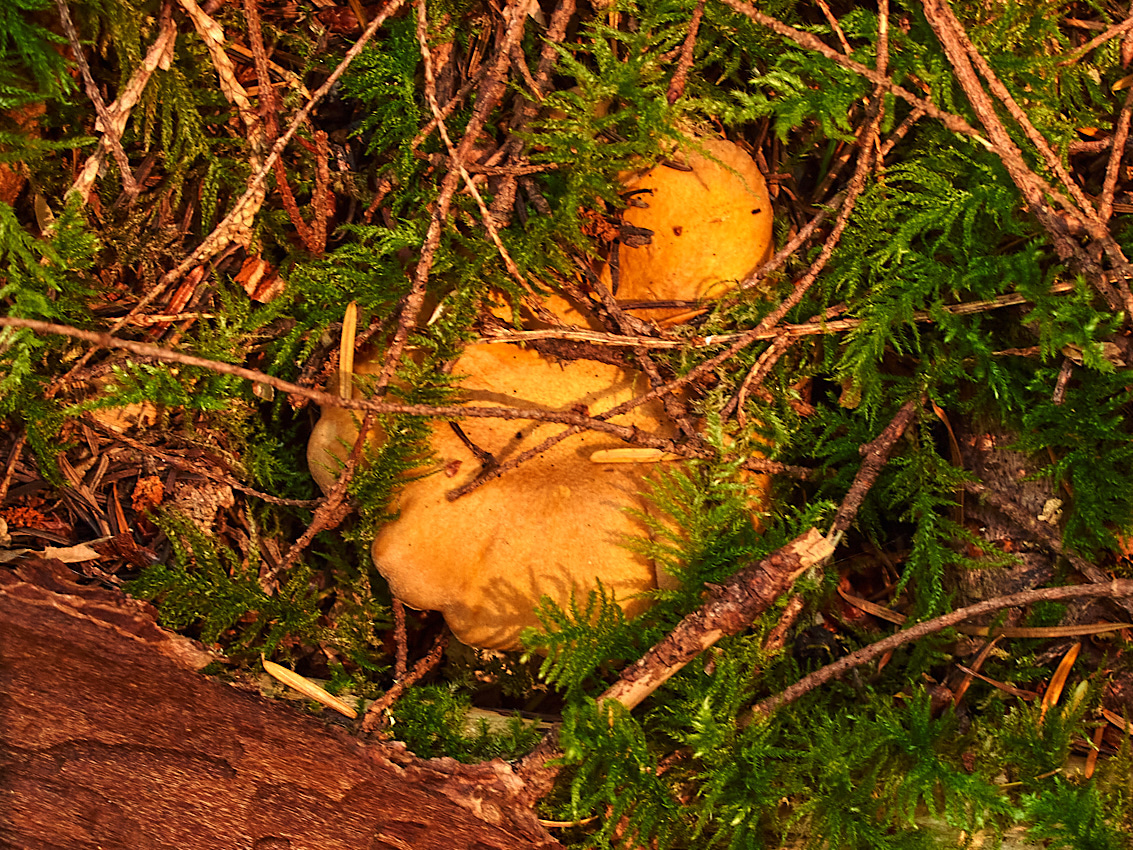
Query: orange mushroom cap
[[556, 526], [711, 227]]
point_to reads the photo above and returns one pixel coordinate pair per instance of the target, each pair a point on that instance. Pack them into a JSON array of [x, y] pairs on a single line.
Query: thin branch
[[867, 143], [522, 117], [760, 370], [449, 107], [458, 162], [1116, 153], [492, 473], [1114, 589], [10, 466], [519, 63], [1041, 532], [875, 455], [817, 326], [835, 27], [335, 508], [960, 50], [728, 609], [883, 37], [684, 63], [488, 96], [1097, 41], [119, 111], [1063, 381], [674, 406], [1079, 147], [811, 42], [269, 102], [902, 130], [110, 132], [1045, 151], [400, 641], [420, 669], [779, 259], [628, 434]]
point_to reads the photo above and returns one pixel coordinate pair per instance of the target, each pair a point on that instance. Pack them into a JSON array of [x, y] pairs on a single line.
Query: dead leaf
[[148, 493], [260, 279], [71, 554]]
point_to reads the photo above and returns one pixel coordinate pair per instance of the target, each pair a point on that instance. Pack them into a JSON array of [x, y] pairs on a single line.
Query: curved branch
[[1116, 589]]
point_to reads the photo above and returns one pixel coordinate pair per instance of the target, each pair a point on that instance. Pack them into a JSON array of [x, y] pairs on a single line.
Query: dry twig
[[1098, 40], [629, 434], [875, 455], [374, 713], [240, 217], [335, 508], [1116, 153], [728, 609], [961, 54], [158, 56], [1112, 589], [111, 134], [684, 64], [488, 95]]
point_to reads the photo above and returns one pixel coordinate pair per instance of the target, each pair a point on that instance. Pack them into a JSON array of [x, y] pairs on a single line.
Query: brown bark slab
[[110, 739]]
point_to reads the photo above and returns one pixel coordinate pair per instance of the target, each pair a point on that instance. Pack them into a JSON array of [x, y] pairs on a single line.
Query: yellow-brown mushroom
[[711, 227], [555, 526], [334, 434]]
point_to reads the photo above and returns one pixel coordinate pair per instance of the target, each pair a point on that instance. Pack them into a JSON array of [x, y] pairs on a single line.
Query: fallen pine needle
[[632, 456], [1058, 680], [1118, 721], [1002, 686], [307, 688]]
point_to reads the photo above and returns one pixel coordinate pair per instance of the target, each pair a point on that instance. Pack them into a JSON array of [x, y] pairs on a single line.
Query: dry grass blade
[[1058, 680], [307, 688], [1118, 721], [962, 688], [346, 350], [1011, 690]]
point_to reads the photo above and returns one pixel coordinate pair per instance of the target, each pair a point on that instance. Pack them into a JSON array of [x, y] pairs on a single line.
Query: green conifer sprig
[[30, 65], [209, 587]]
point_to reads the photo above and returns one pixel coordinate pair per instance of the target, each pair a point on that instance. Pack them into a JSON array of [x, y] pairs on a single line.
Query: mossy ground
[[976, 273]]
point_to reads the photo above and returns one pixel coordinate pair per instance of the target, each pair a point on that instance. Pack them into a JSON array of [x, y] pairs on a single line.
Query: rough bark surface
[[110, 739]]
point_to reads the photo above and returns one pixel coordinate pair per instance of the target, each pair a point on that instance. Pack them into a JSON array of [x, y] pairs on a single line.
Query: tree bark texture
[[109, 738]]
